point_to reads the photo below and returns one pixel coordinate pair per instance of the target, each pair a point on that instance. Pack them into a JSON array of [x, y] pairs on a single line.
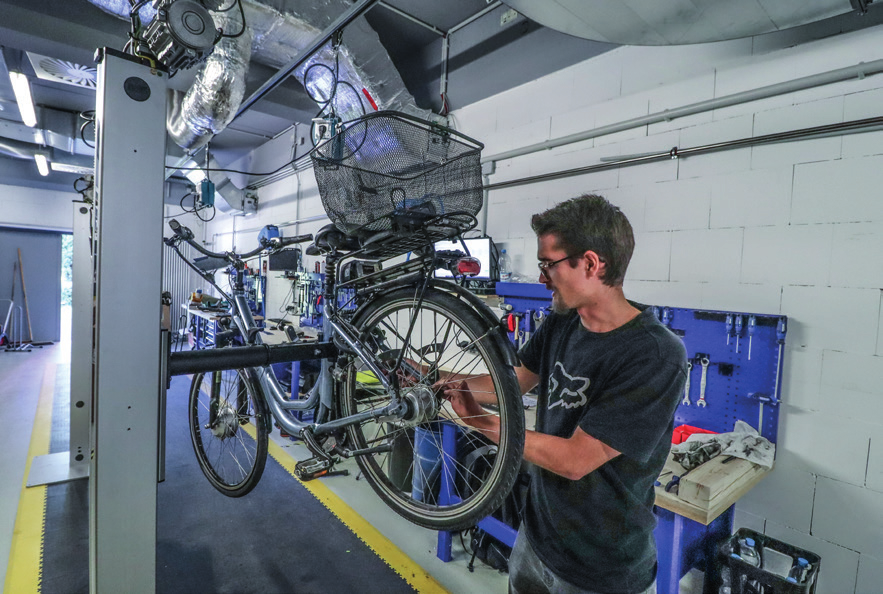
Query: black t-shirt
[[621, 387]]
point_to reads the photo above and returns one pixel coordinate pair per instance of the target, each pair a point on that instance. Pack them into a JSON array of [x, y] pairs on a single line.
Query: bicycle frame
[[334, 325]]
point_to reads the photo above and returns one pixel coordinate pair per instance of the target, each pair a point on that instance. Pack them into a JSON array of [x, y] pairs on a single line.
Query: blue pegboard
[[737, 388]]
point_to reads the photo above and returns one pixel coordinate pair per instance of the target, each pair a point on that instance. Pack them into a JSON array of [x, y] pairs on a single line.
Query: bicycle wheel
[[228, 431], [438, 473]]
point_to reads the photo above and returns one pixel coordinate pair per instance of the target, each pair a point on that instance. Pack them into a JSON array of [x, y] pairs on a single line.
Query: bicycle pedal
[[312, 468]]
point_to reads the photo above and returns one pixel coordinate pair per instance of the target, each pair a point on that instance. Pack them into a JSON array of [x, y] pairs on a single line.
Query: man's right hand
[[469, 411]]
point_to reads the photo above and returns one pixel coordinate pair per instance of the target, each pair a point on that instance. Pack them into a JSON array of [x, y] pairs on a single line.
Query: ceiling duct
[[210, 104], [275, 38]]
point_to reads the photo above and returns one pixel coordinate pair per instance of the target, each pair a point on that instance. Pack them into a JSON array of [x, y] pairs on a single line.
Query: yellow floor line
[[25, 569], [388, 552]]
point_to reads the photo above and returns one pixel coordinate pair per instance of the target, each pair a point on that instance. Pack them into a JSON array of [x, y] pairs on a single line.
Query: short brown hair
[[590, 222]]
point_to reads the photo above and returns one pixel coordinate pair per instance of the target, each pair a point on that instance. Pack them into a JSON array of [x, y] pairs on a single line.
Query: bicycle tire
[[231, 448], [392, 473]]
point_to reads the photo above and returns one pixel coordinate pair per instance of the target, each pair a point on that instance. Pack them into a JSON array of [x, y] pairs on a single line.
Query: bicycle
[[398, 333]]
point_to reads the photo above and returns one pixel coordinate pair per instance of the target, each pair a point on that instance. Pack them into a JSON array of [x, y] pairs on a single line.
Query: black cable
[[89, 117], [83, 191], [195, 210], [275, 171], [322, 102], [229, 8], [241, 31]]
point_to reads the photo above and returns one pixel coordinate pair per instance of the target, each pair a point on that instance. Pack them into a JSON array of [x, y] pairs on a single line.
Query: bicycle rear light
[[468, 266]]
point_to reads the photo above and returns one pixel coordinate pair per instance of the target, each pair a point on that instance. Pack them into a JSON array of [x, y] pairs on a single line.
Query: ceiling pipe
[[858, 71]]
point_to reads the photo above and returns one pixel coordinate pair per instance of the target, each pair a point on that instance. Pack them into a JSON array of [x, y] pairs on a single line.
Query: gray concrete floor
[[21, 377]]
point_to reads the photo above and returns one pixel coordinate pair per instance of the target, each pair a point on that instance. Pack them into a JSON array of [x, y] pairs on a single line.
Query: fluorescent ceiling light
[[42, 164], [66, 168], [22, 90]]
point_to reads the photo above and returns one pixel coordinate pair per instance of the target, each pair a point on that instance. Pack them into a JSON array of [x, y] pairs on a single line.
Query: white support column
[[61, 467], [82, 313], [130, 120]]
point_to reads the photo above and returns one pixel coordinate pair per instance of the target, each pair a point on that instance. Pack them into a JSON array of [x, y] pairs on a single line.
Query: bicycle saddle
[[331, 238]]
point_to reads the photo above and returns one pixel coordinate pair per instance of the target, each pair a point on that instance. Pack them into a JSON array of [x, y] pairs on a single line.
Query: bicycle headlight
[[182, 34]]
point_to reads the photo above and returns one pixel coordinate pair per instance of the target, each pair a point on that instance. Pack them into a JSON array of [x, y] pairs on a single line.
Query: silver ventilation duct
[[218, 89], [275, 39]]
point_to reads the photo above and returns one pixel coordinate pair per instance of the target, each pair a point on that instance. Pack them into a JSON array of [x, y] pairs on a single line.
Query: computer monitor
[[482, 248]]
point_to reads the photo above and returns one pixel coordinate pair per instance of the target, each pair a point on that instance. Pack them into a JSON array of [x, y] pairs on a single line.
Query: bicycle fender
[[510, 355]]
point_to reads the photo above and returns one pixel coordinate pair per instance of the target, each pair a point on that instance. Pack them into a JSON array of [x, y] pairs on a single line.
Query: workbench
[[696, 518], [205, 325]]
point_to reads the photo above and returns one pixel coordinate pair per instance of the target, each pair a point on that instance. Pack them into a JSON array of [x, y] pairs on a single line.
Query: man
[[609, 378]]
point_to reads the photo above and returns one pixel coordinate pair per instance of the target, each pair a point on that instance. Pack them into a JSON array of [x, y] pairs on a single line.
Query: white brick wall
[[838, 191], [848, 515], [829, 317], [870, 575], [706, 256], [793, 228], [792, 255]]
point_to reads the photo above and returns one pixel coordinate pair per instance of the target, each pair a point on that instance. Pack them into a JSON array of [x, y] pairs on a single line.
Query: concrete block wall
[[790, 228]]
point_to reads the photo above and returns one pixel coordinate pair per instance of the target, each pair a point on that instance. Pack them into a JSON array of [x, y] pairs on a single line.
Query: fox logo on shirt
[[565, 390]]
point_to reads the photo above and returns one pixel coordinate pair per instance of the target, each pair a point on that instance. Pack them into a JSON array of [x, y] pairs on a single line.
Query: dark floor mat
[[278, 538]]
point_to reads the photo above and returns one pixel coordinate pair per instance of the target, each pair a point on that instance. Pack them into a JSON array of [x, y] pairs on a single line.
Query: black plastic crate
[[743, 574], [393, 178]]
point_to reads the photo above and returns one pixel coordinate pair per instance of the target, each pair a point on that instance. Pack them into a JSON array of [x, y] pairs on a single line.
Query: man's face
[[557, 273]]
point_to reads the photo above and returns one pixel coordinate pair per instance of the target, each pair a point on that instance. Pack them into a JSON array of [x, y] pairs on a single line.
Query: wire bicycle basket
[[398, 181]]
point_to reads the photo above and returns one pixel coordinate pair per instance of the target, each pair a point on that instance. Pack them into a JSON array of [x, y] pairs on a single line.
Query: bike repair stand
[[73, 464], [129, 175]]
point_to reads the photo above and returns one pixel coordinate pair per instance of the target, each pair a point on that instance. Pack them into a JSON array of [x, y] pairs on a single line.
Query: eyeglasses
[[545, 267]]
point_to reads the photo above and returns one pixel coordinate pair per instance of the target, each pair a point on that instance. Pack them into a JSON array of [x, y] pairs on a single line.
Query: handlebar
[[185, 234]]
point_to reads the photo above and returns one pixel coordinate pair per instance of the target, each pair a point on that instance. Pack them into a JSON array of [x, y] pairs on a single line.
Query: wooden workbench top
[[710, 489]]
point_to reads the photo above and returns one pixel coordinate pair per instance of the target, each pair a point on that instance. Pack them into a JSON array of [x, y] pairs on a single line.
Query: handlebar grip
[[283, 241], [180, 230]]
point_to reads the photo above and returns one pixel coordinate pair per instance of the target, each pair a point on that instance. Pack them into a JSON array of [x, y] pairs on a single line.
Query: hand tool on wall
[[686, 399], [528, 325], [738, 331], [667, 316], [752, 323], [24, 292], [701, 402], [729, 327]]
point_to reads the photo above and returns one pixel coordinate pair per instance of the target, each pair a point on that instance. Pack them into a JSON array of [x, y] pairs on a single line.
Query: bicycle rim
[[227, 430], [438, 474]]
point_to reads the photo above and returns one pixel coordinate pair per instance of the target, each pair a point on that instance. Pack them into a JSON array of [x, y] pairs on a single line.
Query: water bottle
[[799, 571], [505, 267], [726, 586], [748, 551]]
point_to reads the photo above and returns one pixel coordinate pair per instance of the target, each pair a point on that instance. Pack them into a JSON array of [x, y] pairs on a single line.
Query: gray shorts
[[528, 575]]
